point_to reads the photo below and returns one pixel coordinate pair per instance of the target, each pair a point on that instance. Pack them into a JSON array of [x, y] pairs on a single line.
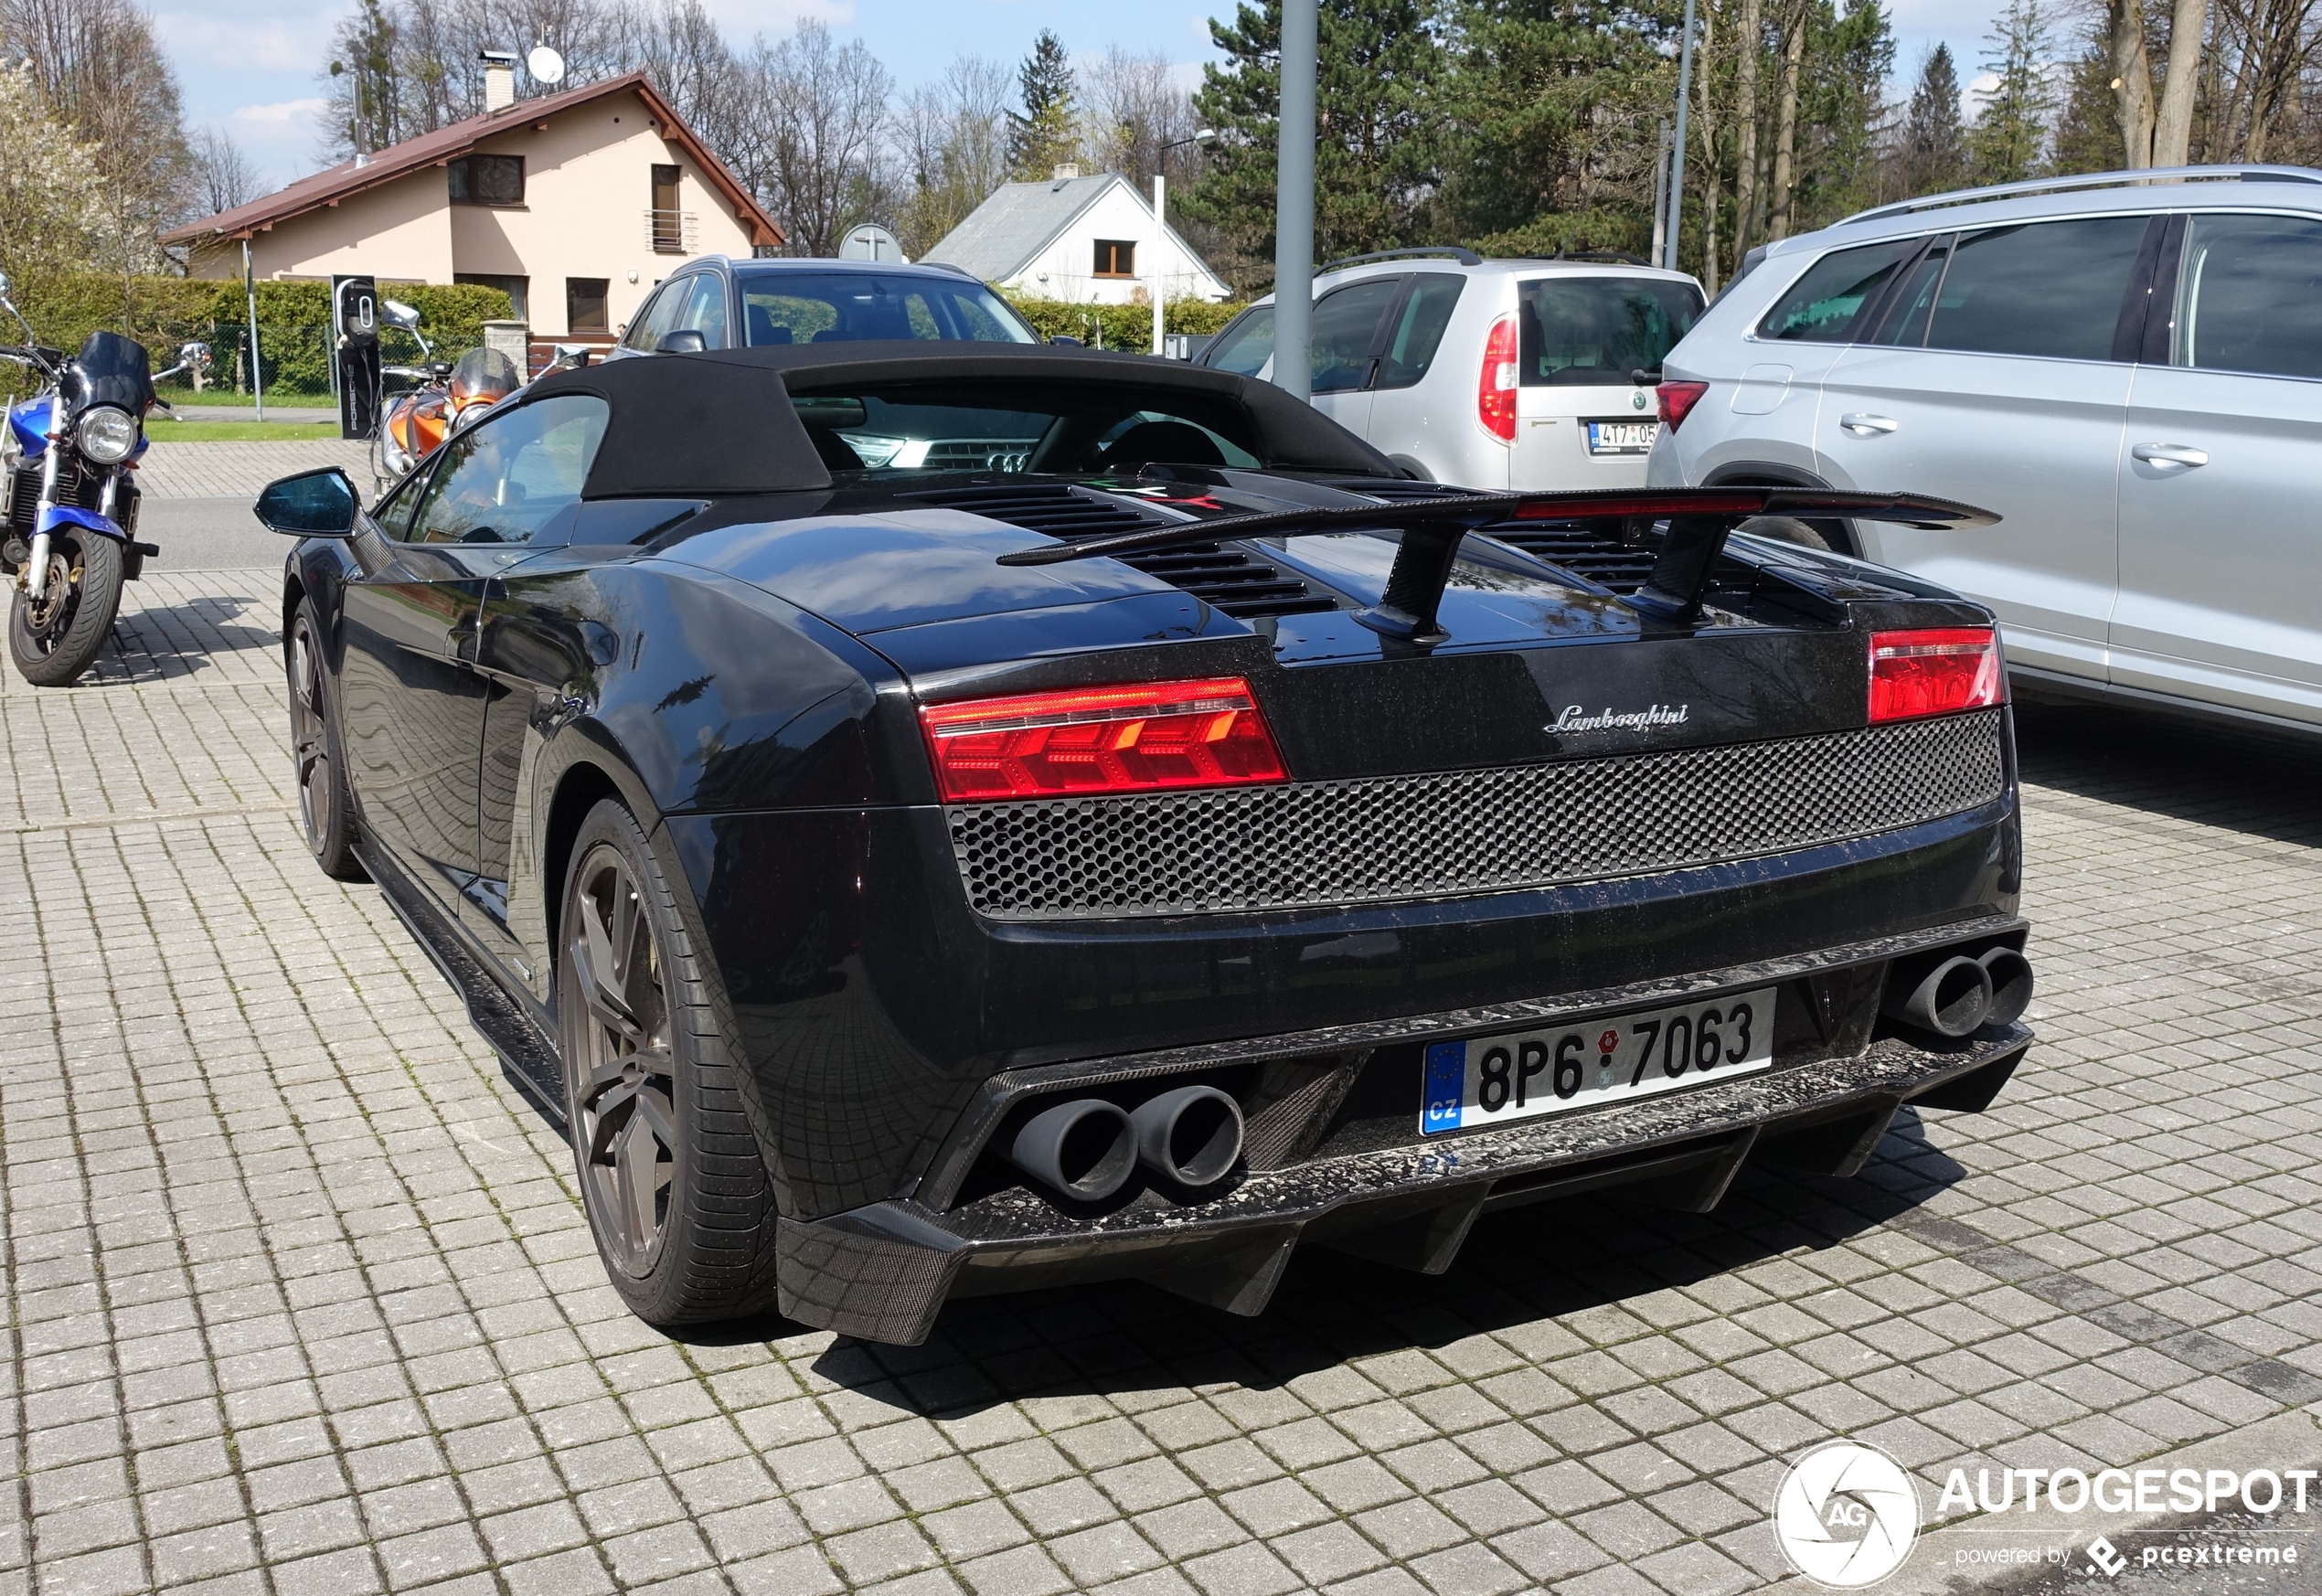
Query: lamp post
[[1294, 228], [1161, 226], [1676, 163]]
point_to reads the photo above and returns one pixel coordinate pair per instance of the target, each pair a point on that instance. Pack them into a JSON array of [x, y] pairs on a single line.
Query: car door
[[545, 462], [1408, 419], [411, 700], [655, 316], [2220, 529], [1996, 376], [704, 311], [1349, 326]]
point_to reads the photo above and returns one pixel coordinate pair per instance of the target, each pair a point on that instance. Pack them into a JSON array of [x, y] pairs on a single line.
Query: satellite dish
[[545, 64], [871, 242]]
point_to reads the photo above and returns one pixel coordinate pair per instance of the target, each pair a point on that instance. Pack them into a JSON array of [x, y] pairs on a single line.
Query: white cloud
[[282, 114]]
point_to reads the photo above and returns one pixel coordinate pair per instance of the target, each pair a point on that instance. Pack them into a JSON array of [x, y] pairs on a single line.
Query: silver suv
[[1490, 374], [2127, 367]]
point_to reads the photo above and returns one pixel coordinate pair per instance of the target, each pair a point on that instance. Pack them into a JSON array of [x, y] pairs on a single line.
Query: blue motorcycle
[[68, 503]]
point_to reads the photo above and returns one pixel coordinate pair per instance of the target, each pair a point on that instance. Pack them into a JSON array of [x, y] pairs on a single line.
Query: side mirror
[[1068, 340], [682, 341], [313, 504], [196, 353], [396, 313]]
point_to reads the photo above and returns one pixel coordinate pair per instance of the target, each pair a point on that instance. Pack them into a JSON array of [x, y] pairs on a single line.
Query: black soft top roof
[[697, 424]]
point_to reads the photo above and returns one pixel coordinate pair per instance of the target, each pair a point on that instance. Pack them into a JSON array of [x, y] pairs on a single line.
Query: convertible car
[[932, 824]]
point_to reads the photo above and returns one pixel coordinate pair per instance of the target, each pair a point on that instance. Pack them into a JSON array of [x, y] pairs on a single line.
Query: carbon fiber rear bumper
[[884, 1270]]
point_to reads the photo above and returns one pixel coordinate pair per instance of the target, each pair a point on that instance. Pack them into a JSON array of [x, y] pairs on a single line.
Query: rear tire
[[57, 639], [326, 809], [676, 1193], [1788, 529]]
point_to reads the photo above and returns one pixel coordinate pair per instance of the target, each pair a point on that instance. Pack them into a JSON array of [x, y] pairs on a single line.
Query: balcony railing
[[671, 232]]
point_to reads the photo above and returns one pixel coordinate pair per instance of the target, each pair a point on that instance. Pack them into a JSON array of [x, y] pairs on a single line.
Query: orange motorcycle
[[444, 398]]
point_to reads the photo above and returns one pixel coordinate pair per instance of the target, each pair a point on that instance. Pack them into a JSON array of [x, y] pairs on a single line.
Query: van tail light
[[1913, 674], [1143, 738], [1676, 401], [1496, 387]]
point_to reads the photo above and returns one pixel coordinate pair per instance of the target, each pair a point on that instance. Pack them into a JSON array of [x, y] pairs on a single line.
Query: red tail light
[[1496, 387], [1102, 739], [1678, 400], [1914, 674]]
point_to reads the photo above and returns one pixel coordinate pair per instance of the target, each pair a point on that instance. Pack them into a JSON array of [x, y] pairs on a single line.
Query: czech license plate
[[1621, 437], [1489, 1081]]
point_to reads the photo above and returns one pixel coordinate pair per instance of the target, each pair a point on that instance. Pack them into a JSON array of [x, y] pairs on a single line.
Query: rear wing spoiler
[[1433, 529]]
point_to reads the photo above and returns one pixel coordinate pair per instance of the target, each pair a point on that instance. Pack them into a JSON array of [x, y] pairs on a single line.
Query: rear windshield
[[839, 307], [917, 427], [1597, 330]]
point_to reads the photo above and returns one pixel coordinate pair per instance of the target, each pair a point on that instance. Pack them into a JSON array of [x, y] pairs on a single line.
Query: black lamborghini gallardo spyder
[[938, 820]]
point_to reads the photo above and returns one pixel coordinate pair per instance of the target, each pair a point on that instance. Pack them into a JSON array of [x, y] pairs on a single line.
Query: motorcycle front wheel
[[55, 637]]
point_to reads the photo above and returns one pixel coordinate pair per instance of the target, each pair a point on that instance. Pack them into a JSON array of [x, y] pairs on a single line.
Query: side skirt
[[527, 1053]]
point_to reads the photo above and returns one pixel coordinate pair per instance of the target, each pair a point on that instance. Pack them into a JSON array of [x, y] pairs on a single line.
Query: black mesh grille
[[1458, 833]]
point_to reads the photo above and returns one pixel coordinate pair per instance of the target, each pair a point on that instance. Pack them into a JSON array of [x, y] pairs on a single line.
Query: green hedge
[[1125, 326], [294, 322]]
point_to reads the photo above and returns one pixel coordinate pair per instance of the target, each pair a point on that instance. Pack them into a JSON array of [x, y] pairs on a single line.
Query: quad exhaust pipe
[[1960, 995], [1086, 1149]]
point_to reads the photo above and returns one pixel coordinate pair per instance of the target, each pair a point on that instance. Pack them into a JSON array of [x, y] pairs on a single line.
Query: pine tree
[[1934, 144], [1380, 117], [1041, 135], [2011, 135]]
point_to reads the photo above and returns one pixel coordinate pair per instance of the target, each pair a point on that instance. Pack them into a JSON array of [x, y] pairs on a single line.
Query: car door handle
[[1864, 425], [2170, 454]]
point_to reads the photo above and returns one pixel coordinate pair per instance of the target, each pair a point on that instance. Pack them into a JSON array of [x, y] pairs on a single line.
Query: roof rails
[[1464, 256], [2091, 180]]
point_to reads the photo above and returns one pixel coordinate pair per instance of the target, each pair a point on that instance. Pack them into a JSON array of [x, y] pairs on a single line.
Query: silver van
[[2127, 367], [1489, 374]]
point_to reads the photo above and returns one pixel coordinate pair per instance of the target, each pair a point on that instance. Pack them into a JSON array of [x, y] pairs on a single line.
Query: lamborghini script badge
[[1576, 718]]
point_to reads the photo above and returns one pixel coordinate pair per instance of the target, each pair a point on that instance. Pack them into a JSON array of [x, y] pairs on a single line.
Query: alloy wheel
[[621, 1076], [309, 743]]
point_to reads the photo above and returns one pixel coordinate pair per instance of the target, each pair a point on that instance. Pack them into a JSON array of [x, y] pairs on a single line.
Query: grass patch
[[161, 430]]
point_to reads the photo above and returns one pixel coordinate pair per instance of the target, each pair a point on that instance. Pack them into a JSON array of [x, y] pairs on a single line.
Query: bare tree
[[223, 174], [100, 71], [824, 108], [951, 141], [2173, 122], [1135, 108]]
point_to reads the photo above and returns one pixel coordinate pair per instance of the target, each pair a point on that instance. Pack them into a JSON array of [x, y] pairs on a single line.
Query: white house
[[1092, 240]]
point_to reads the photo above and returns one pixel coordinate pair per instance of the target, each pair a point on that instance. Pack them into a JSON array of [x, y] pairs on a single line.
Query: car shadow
[[1551, 1261], [2210, 773]]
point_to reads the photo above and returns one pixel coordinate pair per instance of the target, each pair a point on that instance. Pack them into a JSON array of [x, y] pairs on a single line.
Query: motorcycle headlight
[[107, 434]]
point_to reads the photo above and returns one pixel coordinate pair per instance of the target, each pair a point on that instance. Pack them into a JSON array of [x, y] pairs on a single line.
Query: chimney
[[1066, 173], [499, 78]]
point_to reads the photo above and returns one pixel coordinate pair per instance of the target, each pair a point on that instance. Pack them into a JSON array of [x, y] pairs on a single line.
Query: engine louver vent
[[1220, 574]]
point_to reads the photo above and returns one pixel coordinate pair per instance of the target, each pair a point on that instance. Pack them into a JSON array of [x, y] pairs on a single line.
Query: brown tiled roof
[[446, 143]]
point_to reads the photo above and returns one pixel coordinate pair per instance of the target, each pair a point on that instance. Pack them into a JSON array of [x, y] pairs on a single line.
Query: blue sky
[[250, 65]]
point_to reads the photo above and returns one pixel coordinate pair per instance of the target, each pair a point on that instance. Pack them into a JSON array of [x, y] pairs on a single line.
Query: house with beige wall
[[576, 202]]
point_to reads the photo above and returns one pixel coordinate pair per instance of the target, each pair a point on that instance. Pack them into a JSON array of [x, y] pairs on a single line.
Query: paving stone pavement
[[301, 1298], [218, 471]]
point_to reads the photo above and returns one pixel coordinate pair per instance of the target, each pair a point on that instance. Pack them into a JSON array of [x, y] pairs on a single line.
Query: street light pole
[[1293, 236], [1676, 163], [1161, 229]]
